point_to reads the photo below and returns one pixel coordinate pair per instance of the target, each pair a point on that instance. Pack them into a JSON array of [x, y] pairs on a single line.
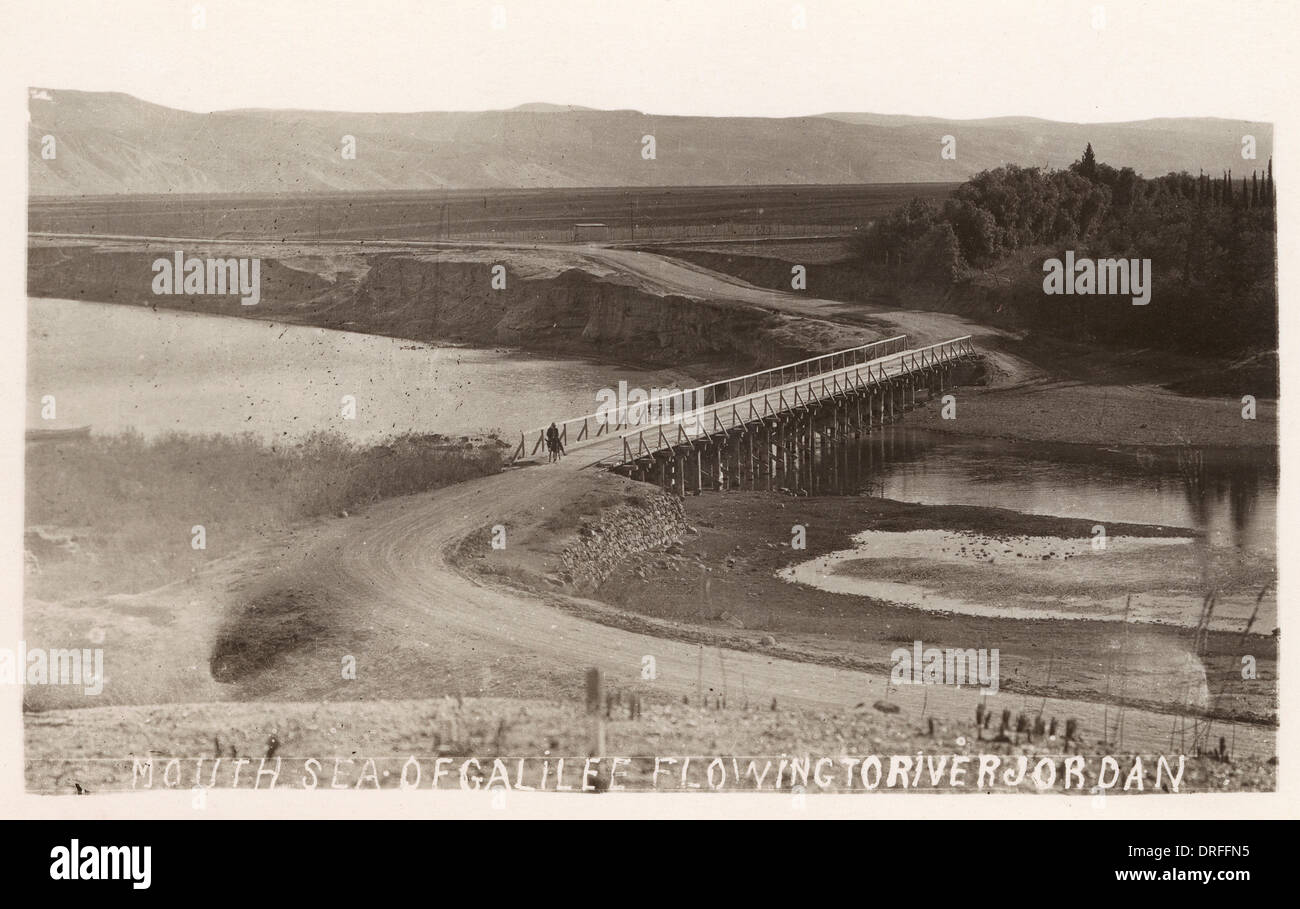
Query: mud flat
[[1134, 579]]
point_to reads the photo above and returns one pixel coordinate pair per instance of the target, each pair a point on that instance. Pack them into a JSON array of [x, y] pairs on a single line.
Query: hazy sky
[[959, 59]]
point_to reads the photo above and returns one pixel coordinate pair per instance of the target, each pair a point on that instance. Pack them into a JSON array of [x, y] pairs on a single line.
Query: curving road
[[395, 563]]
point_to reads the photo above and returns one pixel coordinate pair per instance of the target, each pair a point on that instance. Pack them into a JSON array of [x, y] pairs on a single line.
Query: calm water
[[112, 367], [1232, 494]]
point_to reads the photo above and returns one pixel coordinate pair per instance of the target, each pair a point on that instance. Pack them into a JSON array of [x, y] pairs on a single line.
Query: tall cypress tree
[[1088, 164]]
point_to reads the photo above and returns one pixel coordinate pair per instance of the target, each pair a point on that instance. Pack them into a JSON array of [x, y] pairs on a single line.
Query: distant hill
[[109, 142], [541, 107]]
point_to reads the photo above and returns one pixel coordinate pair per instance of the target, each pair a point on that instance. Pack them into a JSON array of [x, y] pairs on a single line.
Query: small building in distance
[[590, 230]]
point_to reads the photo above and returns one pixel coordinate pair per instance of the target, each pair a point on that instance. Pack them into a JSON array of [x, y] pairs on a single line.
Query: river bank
[[553, 300], [1105, 415]]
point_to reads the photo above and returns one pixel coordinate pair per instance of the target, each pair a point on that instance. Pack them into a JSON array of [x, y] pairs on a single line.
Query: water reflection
[[1230, 494]]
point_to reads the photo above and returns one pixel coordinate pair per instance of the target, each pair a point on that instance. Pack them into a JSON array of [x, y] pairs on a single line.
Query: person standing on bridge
[[553, 443]]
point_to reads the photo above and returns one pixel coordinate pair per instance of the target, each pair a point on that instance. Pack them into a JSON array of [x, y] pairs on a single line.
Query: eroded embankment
[[551, 301], [1000, 301]]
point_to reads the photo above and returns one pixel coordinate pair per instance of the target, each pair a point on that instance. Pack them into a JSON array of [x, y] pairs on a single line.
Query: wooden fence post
[[595, 696]]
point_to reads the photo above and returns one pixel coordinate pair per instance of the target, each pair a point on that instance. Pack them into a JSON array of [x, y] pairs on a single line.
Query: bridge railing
[[761, 405], [670, 408]]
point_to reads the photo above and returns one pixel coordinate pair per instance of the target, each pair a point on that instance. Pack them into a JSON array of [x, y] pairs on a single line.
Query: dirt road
[[392, 566], [921, 327]]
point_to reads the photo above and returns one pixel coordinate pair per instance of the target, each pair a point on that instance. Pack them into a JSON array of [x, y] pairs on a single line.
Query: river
[[114, 367], [1229, 496]]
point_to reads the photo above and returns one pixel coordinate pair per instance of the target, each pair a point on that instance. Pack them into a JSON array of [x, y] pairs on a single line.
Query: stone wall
[[655, 521]]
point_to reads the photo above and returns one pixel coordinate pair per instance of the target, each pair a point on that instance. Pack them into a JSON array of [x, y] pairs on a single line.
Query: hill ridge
[[114, 143]]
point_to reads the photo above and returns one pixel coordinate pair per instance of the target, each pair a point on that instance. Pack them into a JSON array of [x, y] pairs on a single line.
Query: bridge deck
[[664, 423], [731, 414], [584, 430]]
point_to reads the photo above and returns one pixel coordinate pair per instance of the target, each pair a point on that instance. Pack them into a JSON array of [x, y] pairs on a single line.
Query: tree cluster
[[1212, 242]]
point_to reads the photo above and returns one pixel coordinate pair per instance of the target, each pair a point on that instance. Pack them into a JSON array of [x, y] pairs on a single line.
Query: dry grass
[[115, 514]]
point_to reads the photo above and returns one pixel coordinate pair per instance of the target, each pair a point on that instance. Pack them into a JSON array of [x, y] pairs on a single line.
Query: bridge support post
[[749, 458], [796, 456], [679, 474], [808, 442], [833, 445], [781, 453], [728, 443], [796, 453], [817, 452], [792, 453], [733, 477], [769, 456]]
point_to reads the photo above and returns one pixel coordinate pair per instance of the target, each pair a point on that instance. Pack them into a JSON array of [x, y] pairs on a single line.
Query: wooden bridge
[[766, 429]]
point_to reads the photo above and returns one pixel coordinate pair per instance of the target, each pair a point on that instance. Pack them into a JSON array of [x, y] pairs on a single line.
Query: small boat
[[58, 435]]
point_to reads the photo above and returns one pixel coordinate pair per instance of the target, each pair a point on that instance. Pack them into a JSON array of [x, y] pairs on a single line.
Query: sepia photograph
[[727, 409]]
